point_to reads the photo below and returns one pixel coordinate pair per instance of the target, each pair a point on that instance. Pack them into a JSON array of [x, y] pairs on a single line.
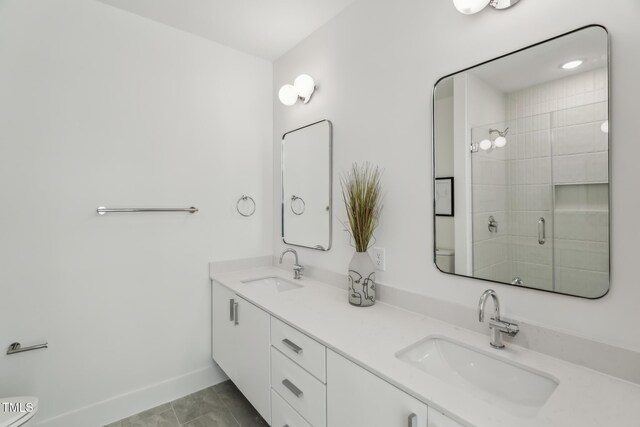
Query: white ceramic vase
[[362, 280]]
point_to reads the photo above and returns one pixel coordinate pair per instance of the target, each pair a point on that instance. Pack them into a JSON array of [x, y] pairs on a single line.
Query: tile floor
[[219, 406]]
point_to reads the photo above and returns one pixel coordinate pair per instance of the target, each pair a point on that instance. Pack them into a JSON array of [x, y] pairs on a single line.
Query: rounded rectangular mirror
[[521, 167], [306, 186]]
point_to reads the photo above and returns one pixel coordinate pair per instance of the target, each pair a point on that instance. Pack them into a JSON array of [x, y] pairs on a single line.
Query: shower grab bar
[[542, 232], [102, 210], [17, 348]]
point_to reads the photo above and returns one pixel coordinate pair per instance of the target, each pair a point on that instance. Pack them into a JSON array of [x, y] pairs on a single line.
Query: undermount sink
[[515, 388], [273, 284]]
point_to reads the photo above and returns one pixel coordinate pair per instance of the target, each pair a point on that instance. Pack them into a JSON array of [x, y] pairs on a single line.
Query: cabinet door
[[223, 340], [438, 419], [357, 398], [252, 356]]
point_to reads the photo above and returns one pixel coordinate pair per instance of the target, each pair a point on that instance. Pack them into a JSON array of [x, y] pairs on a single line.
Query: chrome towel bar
[[17, 348], [102, 210]]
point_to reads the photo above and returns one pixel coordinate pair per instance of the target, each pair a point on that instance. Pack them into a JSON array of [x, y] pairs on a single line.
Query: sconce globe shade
[[305, 86], [469, 7], [500, 142], [288, 95], [485, 144], [605, 127]]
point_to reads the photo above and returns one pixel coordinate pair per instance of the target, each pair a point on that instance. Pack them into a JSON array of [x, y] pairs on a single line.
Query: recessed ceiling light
[[572, 64]]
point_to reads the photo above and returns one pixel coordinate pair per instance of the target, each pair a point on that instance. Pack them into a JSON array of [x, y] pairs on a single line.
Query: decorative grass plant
[[362, 194]]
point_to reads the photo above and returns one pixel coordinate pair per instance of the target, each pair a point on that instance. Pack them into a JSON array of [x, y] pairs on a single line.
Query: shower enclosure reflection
[[527, 143], [547, 190]]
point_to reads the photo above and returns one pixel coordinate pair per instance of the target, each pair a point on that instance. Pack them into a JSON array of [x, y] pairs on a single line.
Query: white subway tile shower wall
[[569, 141], [543, 172]]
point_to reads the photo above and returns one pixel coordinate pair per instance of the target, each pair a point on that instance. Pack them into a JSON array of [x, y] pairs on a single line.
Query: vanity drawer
[[299, 388], [283, 415], [305, 351]]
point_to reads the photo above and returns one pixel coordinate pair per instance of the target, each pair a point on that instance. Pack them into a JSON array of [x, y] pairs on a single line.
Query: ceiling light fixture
[[302, 89], [469, 7], [572, 64]]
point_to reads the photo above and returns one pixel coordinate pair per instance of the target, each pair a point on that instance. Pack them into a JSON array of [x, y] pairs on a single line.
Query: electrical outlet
[[378, 258]]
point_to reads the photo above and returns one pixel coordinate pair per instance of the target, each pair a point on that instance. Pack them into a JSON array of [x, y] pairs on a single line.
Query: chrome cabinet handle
[[292, 388], [292, 346], [235, 313], [232, 315], [413, 420], [542, 232]]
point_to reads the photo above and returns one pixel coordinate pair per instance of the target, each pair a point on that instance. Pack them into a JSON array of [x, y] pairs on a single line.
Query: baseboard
[[127, 404]]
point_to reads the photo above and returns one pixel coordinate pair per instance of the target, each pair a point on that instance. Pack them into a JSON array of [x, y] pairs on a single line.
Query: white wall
[[102, 107], [376, 64]]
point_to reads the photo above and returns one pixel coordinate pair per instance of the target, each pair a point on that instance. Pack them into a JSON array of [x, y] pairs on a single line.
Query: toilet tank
[[445, 260]]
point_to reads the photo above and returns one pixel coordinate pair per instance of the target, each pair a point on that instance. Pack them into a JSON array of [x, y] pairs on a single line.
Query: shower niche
[[526, 138]]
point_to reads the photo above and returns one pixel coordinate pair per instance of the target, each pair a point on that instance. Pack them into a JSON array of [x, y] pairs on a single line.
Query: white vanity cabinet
[[295, 381], [241, 346], [223, 329], [438, 419], [357, 398], [298, 377]]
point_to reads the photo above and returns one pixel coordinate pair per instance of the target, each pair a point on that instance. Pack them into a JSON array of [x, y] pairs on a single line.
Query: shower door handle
[[542, 232]]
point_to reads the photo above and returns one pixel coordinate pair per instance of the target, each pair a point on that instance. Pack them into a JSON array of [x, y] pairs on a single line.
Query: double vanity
[[521, 197], [304, 357]]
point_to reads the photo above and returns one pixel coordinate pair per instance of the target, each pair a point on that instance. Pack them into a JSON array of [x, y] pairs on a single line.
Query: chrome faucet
[[497, 326], [297, 268]]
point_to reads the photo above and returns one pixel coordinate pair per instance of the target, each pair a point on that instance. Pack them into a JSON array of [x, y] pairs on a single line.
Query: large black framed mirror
[[525, 138]]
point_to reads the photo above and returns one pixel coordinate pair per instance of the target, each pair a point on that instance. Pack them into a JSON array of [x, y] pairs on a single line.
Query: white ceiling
[[542, 63], [265, 28]]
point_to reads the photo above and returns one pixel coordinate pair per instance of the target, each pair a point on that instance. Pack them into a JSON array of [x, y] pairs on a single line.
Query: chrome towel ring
[[244, 200], [301, 205]]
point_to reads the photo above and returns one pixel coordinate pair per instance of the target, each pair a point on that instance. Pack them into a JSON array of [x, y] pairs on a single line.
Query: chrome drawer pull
[[232, 316], [413, 420], [235, 313], [292, 346], [292, 388]]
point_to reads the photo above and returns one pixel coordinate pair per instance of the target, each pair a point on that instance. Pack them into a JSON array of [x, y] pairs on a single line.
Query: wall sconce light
[[469, 7], [488, 144], [302, 89]]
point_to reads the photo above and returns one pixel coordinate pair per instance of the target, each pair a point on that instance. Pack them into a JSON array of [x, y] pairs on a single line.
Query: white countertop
[[372, 336]]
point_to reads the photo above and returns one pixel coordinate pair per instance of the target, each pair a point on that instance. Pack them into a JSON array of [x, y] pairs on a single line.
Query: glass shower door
[[512, 199], [540, 201]]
